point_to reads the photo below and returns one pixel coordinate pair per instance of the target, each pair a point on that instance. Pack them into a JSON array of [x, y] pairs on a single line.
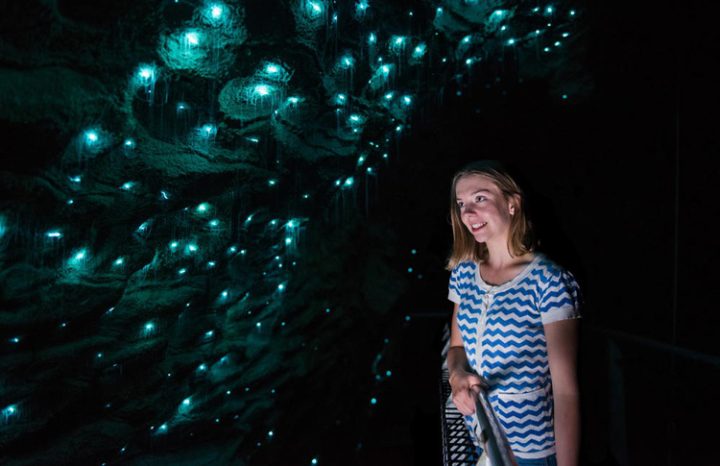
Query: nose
[[468, 209]]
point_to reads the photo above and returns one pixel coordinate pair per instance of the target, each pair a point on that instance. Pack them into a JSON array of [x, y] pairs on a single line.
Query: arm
[[463, 382], [562, 344]]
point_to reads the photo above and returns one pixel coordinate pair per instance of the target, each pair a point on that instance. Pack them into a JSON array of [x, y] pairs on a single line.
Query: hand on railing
[[465, 387]]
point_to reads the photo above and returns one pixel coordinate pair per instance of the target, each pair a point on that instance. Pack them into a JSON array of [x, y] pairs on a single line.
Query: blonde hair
[[521, 239]]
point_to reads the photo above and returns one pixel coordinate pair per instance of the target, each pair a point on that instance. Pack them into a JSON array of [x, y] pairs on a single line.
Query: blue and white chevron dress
[[504, 339]]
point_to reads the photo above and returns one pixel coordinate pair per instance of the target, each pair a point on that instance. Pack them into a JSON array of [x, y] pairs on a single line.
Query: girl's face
[[484, 210]]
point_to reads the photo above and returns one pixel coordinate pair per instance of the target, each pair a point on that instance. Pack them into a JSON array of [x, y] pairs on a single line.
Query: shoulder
[[464, 267], [547, 270]]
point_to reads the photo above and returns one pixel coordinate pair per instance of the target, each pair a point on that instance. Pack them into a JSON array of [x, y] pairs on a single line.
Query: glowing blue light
[[439, 10], [162, 429], [14, 340], [306, 196], [293, 100], [369, 170], [211, 264], [148, 329], [202, 208], [388, 373], [80, 255], [146, 74], [347, 61], [466, 39], [385, 69], [389, 95], [572, 12], [129, 144], [361, 160], [216, 11], [191, 248], [209, 334], [349, 182], [202, 367], [372, 38], [192, 38], [469, 61], [566, 34], [557, 44], [128, 185], [258, 325], [99, 355], [314, 461], [397, 43], [9, 410], [314, 8], [76, 179], [119, 261], [262, 90], [70, 201], [361, 6], [186, 401], [340, 99], [407, 100], [143, 227], [536, 9], [373, 401], [91, 137], [232, 250], [398, 128], [270, 433], [564, 96], [419, 51], [273, 223], [546, 49], [549, 10], [55, 234], [182, 271], [173, 245], [181, 106], [224, 294], [288, 241], [503, 28], [511, 42], [272, 182], [281, 287], [208, 130]]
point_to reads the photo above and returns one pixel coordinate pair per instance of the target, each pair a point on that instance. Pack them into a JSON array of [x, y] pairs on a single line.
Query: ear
[[514, 203]]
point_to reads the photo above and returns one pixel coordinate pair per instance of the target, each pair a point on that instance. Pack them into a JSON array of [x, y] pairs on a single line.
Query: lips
[[475, 227]]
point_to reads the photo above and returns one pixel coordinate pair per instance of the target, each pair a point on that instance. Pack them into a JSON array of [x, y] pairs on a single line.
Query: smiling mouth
[[475, 227]]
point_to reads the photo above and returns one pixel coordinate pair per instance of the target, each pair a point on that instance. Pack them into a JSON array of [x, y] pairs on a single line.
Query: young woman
[[514, 327]]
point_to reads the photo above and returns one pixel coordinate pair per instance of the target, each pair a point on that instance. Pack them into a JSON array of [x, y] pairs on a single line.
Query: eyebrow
[[472, 194]]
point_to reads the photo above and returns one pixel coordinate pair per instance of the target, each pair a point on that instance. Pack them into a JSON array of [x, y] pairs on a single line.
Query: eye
[[479, 198], [460, 205]]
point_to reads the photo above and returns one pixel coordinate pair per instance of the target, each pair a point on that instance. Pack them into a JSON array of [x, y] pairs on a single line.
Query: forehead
[[471, 183]]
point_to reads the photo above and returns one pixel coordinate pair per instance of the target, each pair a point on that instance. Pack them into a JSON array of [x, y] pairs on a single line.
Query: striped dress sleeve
[[561, 298], [454, 286]]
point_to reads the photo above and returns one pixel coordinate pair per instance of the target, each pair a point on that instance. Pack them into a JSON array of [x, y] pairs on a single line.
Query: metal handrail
[[491, 435]]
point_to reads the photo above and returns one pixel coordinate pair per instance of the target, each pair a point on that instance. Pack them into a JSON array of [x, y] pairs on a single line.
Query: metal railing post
[[492, 436]]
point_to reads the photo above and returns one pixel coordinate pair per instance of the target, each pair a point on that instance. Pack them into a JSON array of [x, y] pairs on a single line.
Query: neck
[[499, 256]]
